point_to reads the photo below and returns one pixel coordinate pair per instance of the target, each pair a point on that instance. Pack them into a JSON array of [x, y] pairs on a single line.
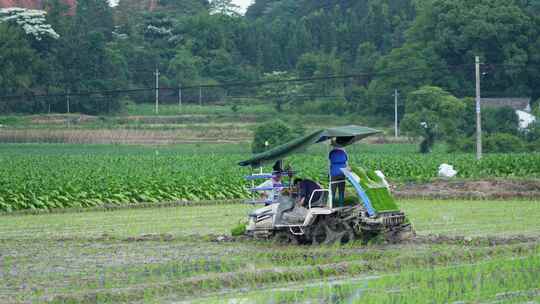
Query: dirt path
[[479, 189]]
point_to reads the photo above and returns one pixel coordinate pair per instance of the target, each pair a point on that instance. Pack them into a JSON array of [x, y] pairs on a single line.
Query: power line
[[248, 84]]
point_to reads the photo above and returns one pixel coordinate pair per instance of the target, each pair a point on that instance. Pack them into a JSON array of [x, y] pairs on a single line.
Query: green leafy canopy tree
[[432, 113], [274, 133], [278, 91], [224, 7]]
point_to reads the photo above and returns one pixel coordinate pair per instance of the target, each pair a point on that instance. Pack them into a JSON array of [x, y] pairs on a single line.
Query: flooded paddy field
[[465, 251]]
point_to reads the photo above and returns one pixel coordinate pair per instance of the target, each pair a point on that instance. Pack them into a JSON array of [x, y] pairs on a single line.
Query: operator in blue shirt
[[338, 159]]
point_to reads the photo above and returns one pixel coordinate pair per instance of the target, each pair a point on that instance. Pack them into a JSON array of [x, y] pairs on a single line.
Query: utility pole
[[478, 111], [200, 96], [67, 101], [179, 97], [157, 90], [396, 130]]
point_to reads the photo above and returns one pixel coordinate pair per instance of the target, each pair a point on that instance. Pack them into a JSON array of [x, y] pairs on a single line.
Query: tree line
[[383, 44]]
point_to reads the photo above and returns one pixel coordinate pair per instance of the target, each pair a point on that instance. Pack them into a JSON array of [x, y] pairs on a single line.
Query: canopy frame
[[343, 136]]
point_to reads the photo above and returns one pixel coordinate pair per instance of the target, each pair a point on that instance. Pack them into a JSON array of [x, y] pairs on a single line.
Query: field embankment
[[149, 135], [214, 124], [470, 189]]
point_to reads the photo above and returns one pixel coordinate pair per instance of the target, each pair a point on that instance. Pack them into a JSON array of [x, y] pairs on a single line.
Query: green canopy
[[344, 136]]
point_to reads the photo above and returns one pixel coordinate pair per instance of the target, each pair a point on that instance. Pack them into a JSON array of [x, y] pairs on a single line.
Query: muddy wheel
[[284, 238], [400, 233], [331, 231]]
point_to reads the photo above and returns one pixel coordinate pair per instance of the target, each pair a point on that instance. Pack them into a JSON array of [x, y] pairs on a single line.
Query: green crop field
[[59, 176], [466, 251]]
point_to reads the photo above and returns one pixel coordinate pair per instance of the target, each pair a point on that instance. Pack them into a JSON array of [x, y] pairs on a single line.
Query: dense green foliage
[[44, 177], [274, 133], [433, 113], [391, 45]]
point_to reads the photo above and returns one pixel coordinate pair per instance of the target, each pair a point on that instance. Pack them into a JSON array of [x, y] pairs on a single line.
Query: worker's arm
[[265, 194], [300, 201]]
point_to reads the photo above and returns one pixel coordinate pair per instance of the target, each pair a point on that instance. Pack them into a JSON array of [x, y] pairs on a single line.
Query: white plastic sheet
[[447, 171]]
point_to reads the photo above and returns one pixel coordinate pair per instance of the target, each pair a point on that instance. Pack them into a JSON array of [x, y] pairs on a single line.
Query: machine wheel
[[400, 233], [284, 238], [330, 231]]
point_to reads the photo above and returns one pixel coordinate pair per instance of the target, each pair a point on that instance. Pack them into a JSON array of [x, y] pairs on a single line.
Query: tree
[[272, 134], [500, 120], [89, 63], [18, 60], [95, 16], [224, 7], [406, 69], [359, 99], [366, 57], [498, 31], [377, 24], [31, 21], [314, 65], [278, 90], [185, 67], [432, 113]]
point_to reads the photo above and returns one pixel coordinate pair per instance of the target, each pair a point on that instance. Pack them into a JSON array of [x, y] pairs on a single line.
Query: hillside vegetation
[[401, 44]]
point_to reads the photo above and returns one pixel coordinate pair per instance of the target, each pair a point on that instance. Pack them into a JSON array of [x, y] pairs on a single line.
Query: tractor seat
[[295, 216], [321, 202], [318, 204]]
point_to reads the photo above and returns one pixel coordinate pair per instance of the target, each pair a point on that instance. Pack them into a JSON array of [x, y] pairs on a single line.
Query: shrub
[[533, 132], [534, 146], [337, 107], [461, 144], [491, 143], [500, 120], [274, 133], [503, 143]]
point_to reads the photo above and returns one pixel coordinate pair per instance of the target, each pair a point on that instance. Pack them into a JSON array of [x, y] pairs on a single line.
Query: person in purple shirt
[[338, 159]]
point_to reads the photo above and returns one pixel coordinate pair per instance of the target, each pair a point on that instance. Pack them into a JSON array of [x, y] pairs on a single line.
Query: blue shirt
[[338, 159]]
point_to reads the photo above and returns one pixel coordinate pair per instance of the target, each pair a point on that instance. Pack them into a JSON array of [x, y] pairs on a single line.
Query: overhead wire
[[251, 83], [222, 85]]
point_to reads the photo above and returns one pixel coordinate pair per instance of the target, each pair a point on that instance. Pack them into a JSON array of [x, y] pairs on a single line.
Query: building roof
[[516, 103]]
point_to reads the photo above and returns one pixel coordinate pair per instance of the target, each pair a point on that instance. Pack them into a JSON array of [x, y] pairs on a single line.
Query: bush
[[503, 143], [500, 120], [275, 133], [491, 143], [461, 144], [11, 120], [534, 146], [337, 107], [533, 132]]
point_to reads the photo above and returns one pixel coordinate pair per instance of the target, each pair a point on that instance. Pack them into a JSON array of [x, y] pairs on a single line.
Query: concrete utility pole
[[67, 101], [179, 96], [396, 130], [157, 90], [200, 96], [478, 111]]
